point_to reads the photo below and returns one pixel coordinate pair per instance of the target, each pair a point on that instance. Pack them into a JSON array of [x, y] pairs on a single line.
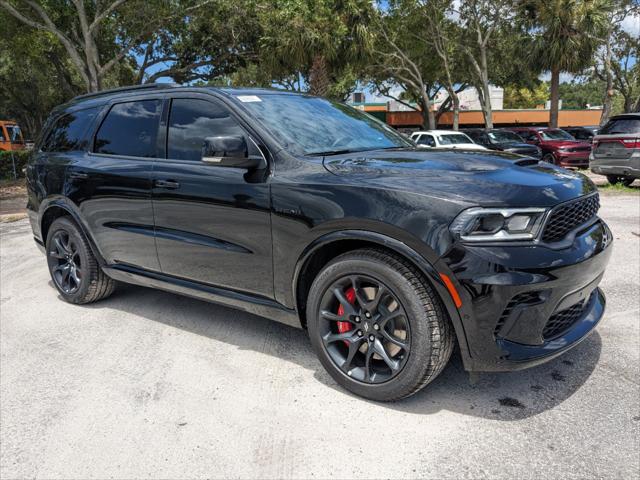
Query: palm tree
[[566, 36]]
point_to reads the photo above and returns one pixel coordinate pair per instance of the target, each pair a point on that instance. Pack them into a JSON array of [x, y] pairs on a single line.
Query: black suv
[[315, 214], [503, 140]]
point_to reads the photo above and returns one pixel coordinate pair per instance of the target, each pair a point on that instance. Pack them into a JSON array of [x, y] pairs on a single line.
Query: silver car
[[616, 149]]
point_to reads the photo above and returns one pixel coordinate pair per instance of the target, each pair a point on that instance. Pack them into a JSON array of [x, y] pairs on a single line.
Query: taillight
[[627, 142], [631, 142]]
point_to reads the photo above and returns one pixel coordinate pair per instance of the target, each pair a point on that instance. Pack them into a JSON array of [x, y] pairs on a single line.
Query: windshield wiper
[[349, 150]]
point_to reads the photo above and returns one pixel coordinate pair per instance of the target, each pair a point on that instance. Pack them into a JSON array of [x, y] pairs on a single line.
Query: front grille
[[561, 321], [522, 299], [567, 216], [580, 149]]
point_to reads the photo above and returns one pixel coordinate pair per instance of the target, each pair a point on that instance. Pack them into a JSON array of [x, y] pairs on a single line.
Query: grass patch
[[620, 189]]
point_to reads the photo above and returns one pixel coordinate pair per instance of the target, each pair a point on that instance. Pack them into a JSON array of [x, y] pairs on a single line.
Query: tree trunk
[[608, 96], [555, 97], [428, 117], [456, 110], [319, 77], [637, 107], [485, 98]]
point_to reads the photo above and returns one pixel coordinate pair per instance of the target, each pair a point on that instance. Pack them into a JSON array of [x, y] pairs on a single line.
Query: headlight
[[498, 224]]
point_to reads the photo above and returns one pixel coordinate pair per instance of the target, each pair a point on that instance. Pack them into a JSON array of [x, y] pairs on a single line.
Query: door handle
[[78, 175], [166, 184]]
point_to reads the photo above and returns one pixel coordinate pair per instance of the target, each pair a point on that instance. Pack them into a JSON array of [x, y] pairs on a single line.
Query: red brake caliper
[[351, 298]]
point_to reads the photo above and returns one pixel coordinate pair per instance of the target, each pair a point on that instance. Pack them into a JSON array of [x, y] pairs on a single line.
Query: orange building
[[474, 118]]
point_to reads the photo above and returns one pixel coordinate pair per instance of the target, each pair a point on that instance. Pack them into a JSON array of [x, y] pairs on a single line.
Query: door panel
[[212, 223], [112, 186]]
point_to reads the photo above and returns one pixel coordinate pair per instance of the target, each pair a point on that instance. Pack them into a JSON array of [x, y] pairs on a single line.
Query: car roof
[[99, 98], [439, 132], [626, 115]]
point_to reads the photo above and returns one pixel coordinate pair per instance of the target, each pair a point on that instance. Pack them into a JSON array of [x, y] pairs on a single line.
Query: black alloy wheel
[[364, 329], [66, 268], [74, 268], [377, 325]]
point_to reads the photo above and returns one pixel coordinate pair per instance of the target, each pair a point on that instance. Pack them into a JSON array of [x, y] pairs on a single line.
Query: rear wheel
[[377, 325], [73, 267], [626, 181]]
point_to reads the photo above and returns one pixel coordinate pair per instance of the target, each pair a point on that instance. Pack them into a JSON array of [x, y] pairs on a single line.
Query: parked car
[[616, 149], [10, 136], [558, 147], [315, 214], [444, 139], [503, 140], [581, 133]]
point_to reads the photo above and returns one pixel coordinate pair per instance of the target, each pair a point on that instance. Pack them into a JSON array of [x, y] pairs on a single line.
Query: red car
[[558, 147]]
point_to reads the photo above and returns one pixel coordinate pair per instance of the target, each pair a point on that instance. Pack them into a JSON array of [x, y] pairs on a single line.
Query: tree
[[100, 38], [615, 43], [482, 22], [320, 40], [402, 58], [522, 97], [566, 35]]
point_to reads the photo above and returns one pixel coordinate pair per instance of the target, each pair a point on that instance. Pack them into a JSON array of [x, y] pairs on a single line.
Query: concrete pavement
[[148, 384]]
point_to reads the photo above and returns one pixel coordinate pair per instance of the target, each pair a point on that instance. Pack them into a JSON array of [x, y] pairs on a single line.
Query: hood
[[484, 178]]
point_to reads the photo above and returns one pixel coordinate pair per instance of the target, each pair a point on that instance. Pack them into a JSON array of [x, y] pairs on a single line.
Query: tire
[[422, 325], [549, 158], [74, 270], [626, 181]]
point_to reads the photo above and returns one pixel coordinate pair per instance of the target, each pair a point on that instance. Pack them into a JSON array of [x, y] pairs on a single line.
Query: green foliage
[[522, 97], [580, 94], [7, 159]]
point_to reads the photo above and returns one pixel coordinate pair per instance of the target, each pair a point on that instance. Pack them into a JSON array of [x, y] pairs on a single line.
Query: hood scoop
[[527, 162]]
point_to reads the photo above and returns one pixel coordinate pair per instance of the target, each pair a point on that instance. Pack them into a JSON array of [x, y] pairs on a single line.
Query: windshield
[[455, 139], [309, 125], [621, 125], [555, 135], [15, 136], [504, 137]]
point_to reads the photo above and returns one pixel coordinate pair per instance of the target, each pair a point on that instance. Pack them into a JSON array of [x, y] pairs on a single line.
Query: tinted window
[[555, 135], [191, 121], [503, 136], [427, 140], [621, 125], [130, 129], [70, 132]]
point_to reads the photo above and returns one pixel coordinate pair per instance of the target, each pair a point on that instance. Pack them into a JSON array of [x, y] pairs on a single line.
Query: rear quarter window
[[70, 132], [130, 129]]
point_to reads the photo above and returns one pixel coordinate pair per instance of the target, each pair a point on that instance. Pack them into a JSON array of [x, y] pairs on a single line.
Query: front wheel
[[549, 158], [377, 325], [614, 179]]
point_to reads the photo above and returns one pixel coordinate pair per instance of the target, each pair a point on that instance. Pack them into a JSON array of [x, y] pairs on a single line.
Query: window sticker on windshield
[[249, 98]]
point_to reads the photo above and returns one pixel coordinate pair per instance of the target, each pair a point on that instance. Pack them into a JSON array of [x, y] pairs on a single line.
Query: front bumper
[[572, 159], [524, 305]]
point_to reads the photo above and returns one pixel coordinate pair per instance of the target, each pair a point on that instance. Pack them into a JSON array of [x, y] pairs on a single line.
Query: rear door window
[[71, 131], [621, 126], [191, 121], [130, 129]]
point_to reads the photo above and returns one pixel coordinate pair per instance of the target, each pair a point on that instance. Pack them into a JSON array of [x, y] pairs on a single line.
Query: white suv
[[444, 139]]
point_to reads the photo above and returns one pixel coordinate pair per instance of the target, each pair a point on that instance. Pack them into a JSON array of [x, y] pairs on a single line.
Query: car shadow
[[504, 396]]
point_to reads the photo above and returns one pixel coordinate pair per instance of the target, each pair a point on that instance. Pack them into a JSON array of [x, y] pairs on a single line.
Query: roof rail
[[146, 86]]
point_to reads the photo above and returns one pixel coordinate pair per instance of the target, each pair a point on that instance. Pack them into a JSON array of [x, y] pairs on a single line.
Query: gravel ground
[[152, 385]]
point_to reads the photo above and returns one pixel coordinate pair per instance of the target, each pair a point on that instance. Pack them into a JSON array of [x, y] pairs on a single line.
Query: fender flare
[[73, 211], [424, 265]]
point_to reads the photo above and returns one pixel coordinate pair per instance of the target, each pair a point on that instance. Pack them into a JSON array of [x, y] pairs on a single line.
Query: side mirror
[[229, 151]]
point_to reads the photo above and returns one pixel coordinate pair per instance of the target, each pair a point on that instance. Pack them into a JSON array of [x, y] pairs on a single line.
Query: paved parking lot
[[152, 385]]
